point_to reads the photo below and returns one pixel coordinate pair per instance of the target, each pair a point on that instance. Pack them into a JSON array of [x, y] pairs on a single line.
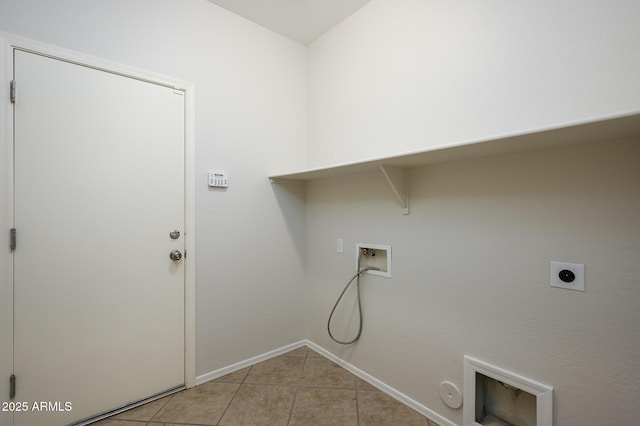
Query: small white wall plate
[[576, 269], [450, 394], [217, 179]]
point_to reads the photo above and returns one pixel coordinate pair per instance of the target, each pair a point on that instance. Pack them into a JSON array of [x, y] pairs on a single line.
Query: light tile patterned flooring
[[298, 388]]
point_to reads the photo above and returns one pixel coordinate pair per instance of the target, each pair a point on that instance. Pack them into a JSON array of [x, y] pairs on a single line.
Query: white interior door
[[99, 185]]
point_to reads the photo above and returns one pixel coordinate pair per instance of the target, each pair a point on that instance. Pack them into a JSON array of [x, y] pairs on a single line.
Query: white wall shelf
[[394, 168]]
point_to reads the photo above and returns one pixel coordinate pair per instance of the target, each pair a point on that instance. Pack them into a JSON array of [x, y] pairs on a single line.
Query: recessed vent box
[[496, 397]]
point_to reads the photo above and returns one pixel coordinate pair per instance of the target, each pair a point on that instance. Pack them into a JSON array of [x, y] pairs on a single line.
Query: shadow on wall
[[290, 198]]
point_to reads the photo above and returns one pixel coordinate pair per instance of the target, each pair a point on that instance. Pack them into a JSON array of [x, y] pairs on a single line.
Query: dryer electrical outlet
[[376, 256], [565, 275]]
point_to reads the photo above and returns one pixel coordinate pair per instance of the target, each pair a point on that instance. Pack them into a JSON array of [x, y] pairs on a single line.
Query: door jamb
[[7, 43]]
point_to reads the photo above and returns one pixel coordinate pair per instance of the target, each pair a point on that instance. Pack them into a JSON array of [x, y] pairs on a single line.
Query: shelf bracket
[[397, 179]]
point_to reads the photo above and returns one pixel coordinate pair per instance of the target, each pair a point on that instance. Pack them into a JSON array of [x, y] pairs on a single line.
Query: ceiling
[[299, 20]]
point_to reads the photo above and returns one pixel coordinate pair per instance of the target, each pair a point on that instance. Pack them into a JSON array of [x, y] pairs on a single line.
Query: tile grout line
[[306, 355], [297, 386], [234, 394], [357, 402], [160, 409]]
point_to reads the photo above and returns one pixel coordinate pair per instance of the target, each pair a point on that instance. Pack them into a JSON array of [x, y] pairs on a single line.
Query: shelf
[[394, 168]]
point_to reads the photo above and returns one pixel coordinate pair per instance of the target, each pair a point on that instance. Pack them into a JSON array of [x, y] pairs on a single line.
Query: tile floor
[[298, 388]]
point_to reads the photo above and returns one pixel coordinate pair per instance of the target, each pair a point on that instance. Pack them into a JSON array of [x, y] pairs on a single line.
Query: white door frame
[[7, 43]]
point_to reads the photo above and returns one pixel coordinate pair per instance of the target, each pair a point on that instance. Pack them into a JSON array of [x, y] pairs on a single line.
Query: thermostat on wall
[[218, 180]]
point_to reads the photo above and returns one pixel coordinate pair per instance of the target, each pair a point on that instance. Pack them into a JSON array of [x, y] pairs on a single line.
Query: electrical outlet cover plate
[[576, 268]]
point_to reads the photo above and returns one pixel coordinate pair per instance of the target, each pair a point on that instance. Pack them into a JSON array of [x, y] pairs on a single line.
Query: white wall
[[471, 261], [404, 75], [250, 88], [401, 75], [471, 275]]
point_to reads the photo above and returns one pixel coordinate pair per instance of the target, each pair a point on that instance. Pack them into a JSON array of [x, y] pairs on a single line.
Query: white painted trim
[[10, 41], [190, 238], [6, 223], [427, 412], [248, 362]]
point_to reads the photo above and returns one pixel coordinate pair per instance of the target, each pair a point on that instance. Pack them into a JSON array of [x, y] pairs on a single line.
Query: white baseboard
[[248, 362], [427, 412]]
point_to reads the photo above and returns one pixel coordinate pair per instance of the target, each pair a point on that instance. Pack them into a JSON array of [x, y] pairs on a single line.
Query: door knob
[[175, 255]]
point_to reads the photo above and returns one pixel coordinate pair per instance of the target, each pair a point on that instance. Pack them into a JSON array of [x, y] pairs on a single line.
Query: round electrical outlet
[[566, 276]]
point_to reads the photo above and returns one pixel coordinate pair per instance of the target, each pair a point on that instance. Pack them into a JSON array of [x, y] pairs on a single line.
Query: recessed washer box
[[375, 256]]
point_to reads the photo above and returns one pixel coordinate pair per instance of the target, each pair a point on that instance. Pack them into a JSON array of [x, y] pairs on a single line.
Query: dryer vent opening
[[500, 404], [496, 397]]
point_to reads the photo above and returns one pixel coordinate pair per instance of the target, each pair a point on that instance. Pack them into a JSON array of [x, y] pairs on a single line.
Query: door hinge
[[12, 91], [12, 239], [12, 386]]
